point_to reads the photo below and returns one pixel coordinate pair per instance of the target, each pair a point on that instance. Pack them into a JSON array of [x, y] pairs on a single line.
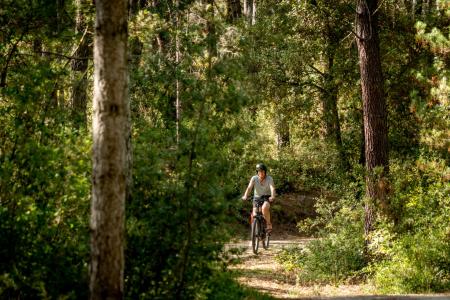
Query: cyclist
[[263, 186]]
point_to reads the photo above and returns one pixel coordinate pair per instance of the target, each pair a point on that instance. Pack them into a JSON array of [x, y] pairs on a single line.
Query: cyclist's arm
[[249, 189], [272, 191]]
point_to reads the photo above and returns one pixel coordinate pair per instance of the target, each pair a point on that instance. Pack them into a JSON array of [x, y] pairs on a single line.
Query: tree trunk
[[247, 7], [254, 12], [330, 97], [135, 5], [59, 18], [282, 131], [234, 10], [250, 11], [330, 109], [80, 66], [110, 125], [177, 80], [362, 145], [419, 8], [331, 116], [374, 107], [211, 29], [135, 49], [37, 46]]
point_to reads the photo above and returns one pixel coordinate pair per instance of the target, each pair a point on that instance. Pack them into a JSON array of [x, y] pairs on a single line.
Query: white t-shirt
[[261, 189]]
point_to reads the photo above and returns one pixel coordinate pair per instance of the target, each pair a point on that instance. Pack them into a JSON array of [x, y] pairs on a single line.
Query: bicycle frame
[[258, 227]]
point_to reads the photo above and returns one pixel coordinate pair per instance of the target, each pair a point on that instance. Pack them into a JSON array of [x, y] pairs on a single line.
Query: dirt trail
[[264, 273]]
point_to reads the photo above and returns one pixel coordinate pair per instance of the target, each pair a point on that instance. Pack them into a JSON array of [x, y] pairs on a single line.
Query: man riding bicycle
[[263, 188]]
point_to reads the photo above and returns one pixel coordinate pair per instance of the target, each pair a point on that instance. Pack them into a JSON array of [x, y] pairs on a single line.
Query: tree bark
[[110, 126], [247, 7], [250, 11], [254, 13], [177, 80], [374, 107], [135, 5], [330, 97], [331, 116], [80, 66], [234, 10], [211, 29], [282, 131]]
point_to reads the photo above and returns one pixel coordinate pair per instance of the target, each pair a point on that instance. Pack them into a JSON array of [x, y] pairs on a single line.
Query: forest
[[130, 130]]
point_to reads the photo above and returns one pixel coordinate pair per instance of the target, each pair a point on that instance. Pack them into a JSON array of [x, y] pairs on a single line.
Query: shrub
[[337, 255], [416, 250], [419, 263]]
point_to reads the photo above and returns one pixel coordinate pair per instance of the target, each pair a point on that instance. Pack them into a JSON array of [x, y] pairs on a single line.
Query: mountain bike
[[258, 229]]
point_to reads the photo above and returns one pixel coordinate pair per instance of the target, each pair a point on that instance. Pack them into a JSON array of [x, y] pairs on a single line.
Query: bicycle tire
[[266, 241], [255, 235]]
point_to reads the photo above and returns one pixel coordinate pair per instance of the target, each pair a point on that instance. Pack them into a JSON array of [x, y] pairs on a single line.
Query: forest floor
[[265, 274]]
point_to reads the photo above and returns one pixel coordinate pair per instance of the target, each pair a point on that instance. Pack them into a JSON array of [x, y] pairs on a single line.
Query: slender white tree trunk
[[110, 125], [254, 13], [250, 11], [177, 81]]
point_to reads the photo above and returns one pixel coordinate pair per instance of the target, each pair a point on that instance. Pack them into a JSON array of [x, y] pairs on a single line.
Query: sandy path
[[265, 274]]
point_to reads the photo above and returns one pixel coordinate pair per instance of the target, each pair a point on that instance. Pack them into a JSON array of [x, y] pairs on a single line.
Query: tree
[[281, 128], [250, 11], [234, 10], [110, 127], [80, 64], [332, 32], [374, 107]]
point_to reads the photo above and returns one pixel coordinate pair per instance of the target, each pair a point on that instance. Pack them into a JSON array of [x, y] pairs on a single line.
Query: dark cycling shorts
[[260, 200]]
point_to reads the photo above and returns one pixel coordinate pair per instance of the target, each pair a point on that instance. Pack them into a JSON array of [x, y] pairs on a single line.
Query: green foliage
[[310, 165], [44, 162], [184, 192], [337, 255], [414, 247], [417, 263], [44, 192], [182, 189], [173, 254], [334, 259], [415, 252]]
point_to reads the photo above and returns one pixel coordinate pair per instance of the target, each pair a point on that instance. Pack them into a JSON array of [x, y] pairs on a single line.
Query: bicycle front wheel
[[266, 241], [256, 228]]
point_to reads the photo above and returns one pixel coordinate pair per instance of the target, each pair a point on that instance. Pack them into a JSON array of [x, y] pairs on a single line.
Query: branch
[[316, 86], [317, 70], [379, 6], [218, 10], [351, 32], [78, 47], [69, 57], [59, 55], [302, 84], [8, 60], [80, 42], [357, 35]]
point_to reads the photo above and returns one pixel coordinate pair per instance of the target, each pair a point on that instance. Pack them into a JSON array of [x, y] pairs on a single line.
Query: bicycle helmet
[[261, 167]]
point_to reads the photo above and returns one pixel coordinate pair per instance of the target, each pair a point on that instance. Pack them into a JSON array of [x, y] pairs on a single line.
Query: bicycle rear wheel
[[256, 229]]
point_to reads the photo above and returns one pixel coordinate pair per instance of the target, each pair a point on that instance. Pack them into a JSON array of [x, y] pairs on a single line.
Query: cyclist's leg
[[254, 210], [266, 214]]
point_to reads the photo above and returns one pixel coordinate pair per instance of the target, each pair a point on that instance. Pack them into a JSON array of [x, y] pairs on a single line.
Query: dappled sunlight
[[263, 273]]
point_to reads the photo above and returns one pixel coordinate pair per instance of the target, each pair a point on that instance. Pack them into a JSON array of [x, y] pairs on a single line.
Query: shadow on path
[[263, 273], [384, 297]]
